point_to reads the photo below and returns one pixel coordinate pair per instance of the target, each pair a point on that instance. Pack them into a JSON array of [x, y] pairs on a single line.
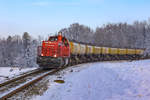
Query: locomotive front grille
[[50, 51]]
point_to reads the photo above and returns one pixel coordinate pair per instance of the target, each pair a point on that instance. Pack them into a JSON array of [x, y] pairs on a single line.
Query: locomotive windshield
[[52, 39]]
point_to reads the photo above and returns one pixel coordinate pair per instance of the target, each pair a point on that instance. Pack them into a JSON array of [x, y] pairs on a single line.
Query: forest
[[21, 51]]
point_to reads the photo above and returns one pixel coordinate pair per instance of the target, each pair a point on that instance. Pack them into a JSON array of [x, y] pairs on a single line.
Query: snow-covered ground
[[10, 72], [101, 81]]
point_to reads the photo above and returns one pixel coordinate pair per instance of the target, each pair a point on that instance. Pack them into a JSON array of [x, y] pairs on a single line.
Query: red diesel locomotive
[[54, 53]]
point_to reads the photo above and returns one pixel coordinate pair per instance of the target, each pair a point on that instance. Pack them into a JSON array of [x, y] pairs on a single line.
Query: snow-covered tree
[[78, 33]]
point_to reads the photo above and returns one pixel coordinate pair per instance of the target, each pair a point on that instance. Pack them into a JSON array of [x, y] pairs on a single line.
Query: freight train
[[59, 51]]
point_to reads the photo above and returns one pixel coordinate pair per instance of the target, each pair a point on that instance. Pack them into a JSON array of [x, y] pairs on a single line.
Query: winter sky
[[42, 17]]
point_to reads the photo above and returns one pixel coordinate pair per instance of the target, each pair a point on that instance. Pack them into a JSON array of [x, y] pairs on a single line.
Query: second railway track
[[9, 89], [19, 77]]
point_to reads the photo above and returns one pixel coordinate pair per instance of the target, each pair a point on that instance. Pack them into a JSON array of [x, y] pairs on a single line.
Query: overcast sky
[[42, 17]]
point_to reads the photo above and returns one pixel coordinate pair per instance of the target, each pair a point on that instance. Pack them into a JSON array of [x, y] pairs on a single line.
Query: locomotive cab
[[54, 51]]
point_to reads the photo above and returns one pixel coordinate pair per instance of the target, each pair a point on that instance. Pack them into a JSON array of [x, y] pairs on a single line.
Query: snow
[[10, 72], [101, 81]]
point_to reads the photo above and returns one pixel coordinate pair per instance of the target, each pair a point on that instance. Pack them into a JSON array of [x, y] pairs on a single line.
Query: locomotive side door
[[65, 47]]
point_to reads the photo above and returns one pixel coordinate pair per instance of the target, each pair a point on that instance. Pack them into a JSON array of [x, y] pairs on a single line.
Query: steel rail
[[19, 77], [26, 84]]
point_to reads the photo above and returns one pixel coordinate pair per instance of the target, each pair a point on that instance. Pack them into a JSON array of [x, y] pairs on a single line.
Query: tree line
[[18, 51], [21, 51], [119, 35]]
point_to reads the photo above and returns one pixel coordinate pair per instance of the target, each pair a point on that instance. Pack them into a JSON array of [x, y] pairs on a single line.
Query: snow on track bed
[[30, 84], [101, 81], [9, 72], [12, 85]]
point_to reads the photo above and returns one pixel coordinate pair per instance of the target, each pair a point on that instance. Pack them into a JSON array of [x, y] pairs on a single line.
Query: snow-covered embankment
[[103, 81]]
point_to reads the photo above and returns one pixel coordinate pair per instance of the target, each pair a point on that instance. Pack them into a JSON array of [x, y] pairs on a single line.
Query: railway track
[[8, 90], [19, 77]]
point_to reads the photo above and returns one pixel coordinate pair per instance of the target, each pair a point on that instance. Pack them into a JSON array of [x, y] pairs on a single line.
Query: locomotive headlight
[[42, 55], [55, 55]]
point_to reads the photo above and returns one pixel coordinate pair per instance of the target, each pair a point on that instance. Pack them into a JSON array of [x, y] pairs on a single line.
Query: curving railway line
[[11, 87]]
